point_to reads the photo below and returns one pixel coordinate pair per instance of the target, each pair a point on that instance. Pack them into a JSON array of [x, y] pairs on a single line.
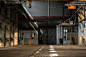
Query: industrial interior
[[42, 28]]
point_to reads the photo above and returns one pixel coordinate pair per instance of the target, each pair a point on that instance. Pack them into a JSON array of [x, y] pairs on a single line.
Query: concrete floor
[[43, 51]]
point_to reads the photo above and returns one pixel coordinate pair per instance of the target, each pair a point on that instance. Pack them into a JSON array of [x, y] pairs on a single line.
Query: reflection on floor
[[43, 51]]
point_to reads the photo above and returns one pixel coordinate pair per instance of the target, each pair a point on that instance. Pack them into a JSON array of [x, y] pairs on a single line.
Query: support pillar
[[85, 32], [57, 34], [79, 34]]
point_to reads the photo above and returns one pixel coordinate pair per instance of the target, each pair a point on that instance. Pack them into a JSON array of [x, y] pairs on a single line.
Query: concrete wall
[[27, 34], [40, 8]]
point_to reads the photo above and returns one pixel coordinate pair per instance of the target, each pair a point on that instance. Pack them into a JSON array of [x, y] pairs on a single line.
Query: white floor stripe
[[52, 51]]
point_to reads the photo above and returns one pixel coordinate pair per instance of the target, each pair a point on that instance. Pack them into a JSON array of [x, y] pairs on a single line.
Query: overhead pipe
[[76, 3]]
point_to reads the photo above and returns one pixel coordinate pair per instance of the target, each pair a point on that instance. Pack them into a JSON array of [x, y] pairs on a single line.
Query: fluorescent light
[[66, 30]]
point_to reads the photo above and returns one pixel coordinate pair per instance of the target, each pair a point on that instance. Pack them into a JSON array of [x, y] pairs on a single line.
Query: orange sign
[[71, 6], [82, 0]]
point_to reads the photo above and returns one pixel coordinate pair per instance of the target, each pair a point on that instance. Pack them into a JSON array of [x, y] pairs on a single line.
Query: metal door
[[49, 35]]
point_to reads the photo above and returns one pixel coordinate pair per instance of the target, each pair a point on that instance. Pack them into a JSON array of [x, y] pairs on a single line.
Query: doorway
[[40, 40], [48, 36]]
